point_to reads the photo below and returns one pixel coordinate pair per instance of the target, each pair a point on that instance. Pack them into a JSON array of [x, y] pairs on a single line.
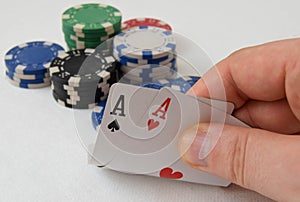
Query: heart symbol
[[168, 173], [152, 124]]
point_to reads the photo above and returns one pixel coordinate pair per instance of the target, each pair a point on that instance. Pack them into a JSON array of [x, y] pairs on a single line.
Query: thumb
[[255, 159]]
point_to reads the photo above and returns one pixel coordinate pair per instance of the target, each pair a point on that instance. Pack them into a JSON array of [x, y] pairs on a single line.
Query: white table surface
[[41, 157]]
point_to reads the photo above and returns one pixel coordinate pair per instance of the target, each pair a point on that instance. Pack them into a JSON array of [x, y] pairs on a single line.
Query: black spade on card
[[113, 126]]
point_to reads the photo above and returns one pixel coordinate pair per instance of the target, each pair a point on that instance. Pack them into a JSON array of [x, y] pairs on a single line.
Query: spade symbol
[[114, 125]]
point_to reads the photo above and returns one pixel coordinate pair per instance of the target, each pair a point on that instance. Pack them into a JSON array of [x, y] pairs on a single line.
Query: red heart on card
[[168, 173], [152, 124]]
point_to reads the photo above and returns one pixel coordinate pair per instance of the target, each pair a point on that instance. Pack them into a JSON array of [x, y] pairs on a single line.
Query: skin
[[264, 84]]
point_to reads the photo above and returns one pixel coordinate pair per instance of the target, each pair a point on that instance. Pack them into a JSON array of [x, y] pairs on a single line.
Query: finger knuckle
[[239, 160]]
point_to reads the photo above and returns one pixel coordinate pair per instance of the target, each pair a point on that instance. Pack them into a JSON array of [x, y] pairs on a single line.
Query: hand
[[264, 84]]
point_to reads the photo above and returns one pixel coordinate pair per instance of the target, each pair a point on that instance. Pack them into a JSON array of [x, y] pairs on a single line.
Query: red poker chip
[[136, 22]]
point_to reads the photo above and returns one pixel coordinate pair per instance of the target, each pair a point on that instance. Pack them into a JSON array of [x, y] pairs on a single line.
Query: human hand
[[264, 84]]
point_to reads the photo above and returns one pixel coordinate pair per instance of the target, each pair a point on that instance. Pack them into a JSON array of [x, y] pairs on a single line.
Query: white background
[[41, 158]]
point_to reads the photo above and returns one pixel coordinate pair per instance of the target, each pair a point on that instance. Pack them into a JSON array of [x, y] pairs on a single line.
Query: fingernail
[[198, 142], [192, 144]]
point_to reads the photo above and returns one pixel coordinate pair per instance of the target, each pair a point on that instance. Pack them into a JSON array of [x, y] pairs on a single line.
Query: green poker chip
[[81, 45], [96, 33], [91, 18], [89, 37], [73, 46], [84, 42], [91, 40]]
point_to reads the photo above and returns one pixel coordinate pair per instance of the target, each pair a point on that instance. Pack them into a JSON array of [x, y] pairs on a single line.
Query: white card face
[[228, 107], [125, 105], [141, 150], [181, 171], [150, 144]]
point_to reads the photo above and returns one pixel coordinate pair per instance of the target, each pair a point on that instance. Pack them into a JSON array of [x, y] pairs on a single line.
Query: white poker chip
[[145, 42]]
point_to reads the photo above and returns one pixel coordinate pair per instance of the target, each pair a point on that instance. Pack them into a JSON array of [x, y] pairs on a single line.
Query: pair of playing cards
[[141, 128]]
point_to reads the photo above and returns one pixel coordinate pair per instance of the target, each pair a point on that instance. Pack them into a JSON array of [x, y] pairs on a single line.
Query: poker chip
[[144, 43], [27, 85], [26, 81], [132, 80], [82, 90], [90, 41], [143, 64], [27, 64], [89, 25], [87, 18], [81, 78], [75, 68], [137, 22], [75, 99], [149, 73], [81, 95], [74, 105], [28, 76], [79, 45], [74, 45], [95, 34], [146, 54], [148, 76], [135, 62], [97, 114], [148, 70], [32, 57], [182, 84]]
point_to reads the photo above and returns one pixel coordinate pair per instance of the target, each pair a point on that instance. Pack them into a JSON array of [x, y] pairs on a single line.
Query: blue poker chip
[[182, 84], [97, 114], [153, 67], [27, 76], [25, 81], [148, 73], [125, 60], [138, 63], [192, 80], [32, 57], [28, 85], [156, 86], [145, 43], [129, 79]]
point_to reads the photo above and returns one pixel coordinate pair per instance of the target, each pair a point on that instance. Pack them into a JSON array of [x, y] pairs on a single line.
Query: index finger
[[256, 73]]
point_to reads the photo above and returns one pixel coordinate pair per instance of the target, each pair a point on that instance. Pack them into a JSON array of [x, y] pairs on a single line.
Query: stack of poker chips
[[146, 54], [82, 78], [88, 25], [27, 64], [133, 64]]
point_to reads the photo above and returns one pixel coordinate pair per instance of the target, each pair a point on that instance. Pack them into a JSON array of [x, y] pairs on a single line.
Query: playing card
[[130, 145], [125, 105], [149, 144], [228, 107], [179, 170]]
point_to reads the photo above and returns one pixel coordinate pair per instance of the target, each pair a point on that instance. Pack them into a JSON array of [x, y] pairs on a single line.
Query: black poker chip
[[81, 91], [81, 78], [84, 67], [73, 104], [86, 97]]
